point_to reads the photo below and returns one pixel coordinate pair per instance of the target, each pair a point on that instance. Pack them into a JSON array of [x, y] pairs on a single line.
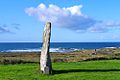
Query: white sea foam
[[38, 50], [110, 47], [24, 50]]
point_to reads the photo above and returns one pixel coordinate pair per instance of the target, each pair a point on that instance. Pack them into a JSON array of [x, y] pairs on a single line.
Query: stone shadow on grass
[[84, 70]]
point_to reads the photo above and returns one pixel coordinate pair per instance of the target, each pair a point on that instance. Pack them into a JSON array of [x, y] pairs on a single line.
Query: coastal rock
[[45, 60]]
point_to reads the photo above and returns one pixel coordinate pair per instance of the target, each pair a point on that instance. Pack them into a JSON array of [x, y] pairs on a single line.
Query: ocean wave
[[23, 50], [39, 50], [111, 47]]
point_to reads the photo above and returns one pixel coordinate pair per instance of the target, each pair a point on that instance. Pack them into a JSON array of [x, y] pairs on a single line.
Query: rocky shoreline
[[82, 55]]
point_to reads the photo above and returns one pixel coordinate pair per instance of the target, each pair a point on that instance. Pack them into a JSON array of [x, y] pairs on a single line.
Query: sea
[[55, 46]]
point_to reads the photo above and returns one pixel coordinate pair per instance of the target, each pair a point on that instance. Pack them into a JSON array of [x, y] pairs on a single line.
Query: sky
[[72, 21]]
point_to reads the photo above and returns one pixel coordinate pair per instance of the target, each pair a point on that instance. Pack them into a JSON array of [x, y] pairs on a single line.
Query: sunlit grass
[[87, 70]]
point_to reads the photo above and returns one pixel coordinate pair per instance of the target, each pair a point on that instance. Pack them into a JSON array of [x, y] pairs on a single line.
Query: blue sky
[[72, 21]]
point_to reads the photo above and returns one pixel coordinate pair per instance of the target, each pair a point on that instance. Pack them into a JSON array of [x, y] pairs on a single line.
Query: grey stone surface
[[45, 60]]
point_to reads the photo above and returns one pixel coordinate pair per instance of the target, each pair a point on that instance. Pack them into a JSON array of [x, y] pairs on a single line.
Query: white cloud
[[75, 10], [5, 28], [70, 17]]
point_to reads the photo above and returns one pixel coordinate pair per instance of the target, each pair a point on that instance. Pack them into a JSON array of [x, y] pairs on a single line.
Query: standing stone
[[45, 60]]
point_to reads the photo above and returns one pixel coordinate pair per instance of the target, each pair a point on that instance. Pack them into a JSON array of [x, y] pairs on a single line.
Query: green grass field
[[86, 70]]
